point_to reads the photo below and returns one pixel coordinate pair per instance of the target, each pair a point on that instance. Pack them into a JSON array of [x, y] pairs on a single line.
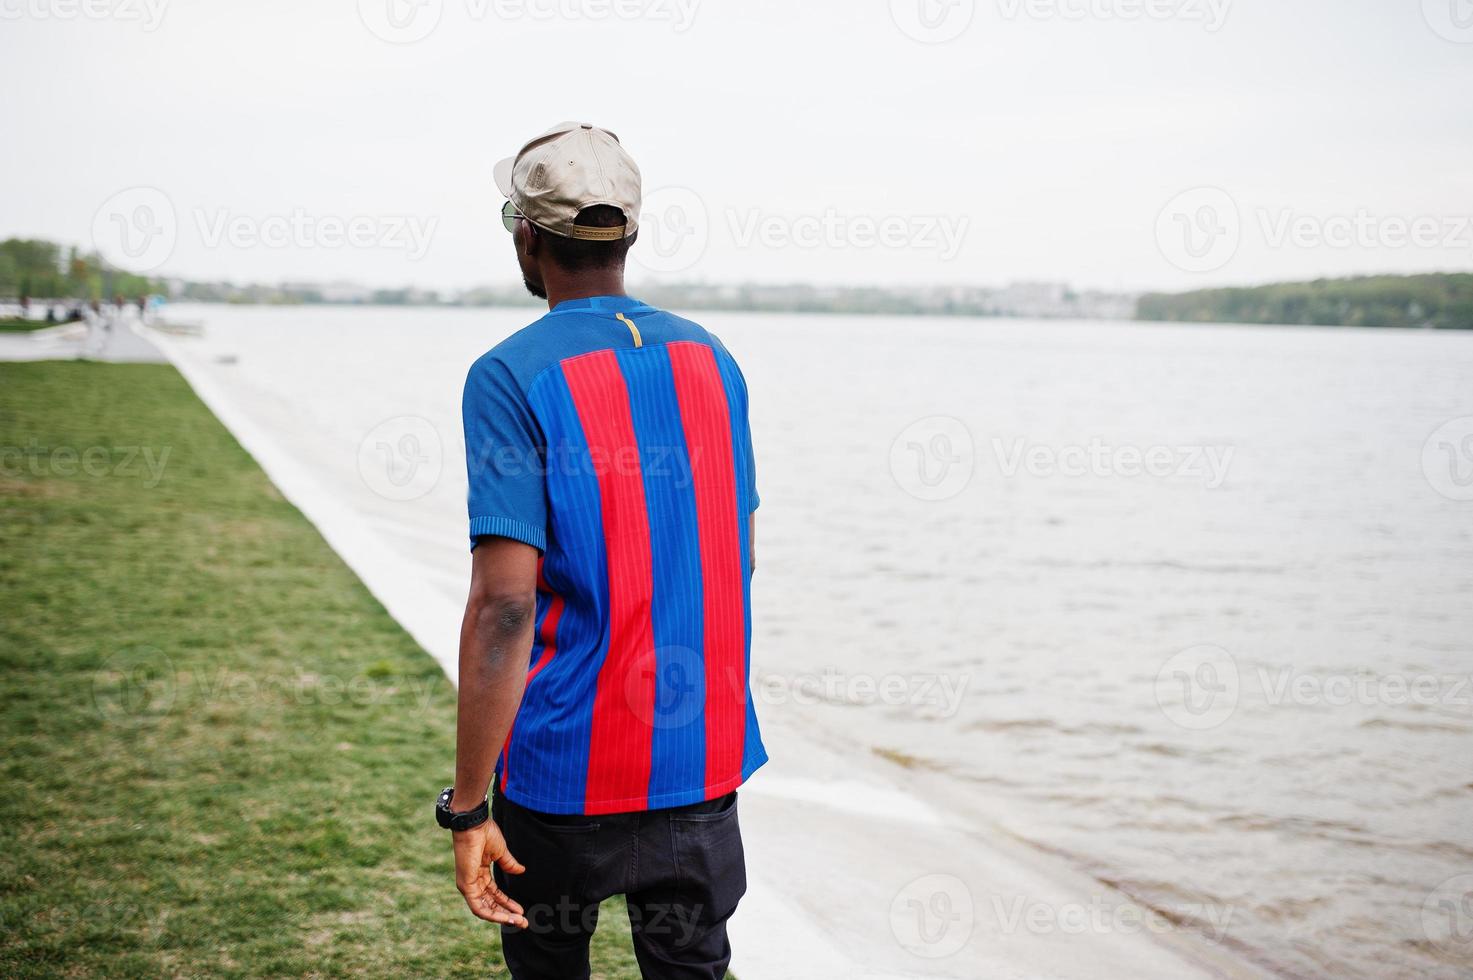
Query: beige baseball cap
[[568, 168]]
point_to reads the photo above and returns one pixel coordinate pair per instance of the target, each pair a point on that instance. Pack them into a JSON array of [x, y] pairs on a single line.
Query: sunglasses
[[510, 215]]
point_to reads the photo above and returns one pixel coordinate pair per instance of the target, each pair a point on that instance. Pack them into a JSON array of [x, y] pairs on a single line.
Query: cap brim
[[501, 173]]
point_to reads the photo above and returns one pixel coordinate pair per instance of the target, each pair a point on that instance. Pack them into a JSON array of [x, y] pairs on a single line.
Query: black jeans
[[681, 870]]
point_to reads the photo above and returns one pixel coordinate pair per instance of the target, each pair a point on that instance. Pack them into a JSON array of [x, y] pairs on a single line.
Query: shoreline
[[821, 889]]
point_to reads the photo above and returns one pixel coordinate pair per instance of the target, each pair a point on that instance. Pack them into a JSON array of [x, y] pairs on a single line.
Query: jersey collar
[[600, 304]]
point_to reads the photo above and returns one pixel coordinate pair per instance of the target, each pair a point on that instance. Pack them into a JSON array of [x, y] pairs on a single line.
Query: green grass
[[219, 751], [13, 324]]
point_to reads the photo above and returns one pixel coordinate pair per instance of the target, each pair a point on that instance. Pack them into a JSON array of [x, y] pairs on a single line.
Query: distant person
[[98, 328], [611, 499]]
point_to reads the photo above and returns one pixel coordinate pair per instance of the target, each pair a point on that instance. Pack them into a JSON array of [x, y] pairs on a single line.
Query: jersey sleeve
[[504, 458]]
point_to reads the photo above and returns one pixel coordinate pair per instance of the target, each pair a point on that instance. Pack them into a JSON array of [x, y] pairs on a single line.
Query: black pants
[[681, 870]]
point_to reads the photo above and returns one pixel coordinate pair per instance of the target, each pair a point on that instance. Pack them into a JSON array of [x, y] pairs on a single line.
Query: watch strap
[[451, 820]]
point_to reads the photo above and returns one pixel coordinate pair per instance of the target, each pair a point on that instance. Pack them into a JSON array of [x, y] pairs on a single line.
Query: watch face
[[459, 821]]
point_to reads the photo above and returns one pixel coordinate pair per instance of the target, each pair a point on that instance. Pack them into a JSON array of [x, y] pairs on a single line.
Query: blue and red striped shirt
[[614, 438]]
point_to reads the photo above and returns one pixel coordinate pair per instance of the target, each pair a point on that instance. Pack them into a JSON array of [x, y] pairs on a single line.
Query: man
[[604, 650]]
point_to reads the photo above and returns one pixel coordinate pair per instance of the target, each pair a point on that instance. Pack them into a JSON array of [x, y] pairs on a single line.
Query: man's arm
[[495, 647]]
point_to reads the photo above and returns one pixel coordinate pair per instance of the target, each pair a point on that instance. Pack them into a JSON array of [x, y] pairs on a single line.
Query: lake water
[[1190, 607]]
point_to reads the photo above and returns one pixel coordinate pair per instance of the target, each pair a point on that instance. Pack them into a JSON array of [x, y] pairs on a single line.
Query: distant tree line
[[46, 270], [1442, 301]]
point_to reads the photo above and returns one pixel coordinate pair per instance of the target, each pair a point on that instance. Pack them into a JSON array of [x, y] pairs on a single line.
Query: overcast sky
[[1119, 144]]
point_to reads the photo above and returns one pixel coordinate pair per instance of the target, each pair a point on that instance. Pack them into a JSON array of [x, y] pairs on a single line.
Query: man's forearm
[[495, 646]]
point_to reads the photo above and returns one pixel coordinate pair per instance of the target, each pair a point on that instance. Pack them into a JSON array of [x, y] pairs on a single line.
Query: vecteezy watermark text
[[942, 693], [408, 21], [141, 685], [1288, 686], [299, 229], [1209, 464], [939, 21], [138, 228], [1211, 14], [943, 234], [1201, 687], [1291, 228], [679, 14], [934, 459], [1105, 915], [675, 228], [1202, 229], [147, 13], [94, 461]]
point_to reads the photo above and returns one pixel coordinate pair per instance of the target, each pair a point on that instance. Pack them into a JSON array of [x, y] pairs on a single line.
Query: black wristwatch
[[450, 820]]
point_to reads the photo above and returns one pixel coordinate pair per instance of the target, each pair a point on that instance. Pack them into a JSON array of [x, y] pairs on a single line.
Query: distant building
[[344, 292], [1035, 300]]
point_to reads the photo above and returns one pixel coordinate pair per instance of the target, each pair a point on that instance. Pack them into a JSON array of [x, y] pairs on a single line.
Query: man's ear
[[531, 240]]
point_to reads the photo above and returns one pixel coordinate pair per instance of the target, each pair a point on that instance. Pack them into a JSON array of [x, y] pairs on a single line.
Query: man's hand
[[475, 849], [495, 645]]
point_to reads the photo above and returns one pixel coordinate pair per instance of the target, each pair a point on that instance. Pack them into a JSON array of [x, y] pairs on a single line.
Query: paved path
[[122, 344]]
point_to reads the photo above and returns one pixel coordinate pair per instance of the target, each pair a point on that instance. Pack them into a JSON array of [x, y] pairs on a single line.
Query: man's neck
[[584, 286]]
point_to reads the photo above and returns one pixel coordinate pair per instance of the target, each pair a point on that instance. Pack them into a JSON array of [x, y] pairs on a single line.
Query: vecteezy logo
[[933, 459], [136, 229], [401, 21], [1451, 19], [1447, 459], [933, 21], [1199, 230], [1198, 688], [135, 686], [401, 458], [1447, 916], [666, 689], [933, 916], [674, 229]]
